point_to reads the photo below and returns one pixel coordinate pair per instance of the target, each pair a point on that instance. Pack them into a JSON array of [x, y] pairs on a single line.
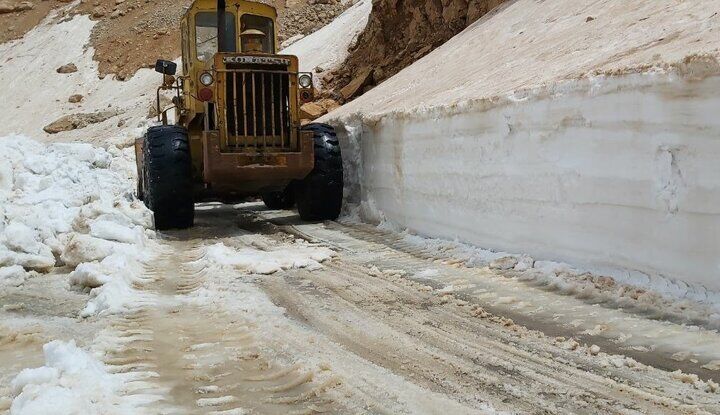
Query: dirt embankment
[[398, 33], [19, 16], [132, 34]]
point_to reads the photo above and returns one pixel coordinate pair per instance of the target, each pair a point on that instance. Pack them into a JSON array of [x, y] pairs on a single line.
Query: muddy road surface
[[380, 326]]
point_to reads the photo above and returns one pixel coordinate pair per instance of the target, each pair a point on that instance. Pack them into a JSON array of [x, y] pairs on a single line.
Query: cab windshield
[[257, 34], [206, 34]]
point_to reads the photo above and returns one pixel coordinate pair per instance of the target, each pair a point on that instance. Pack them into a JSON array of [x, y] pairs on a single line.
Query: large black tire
[[167, 173], [279, 200], [319, 195]]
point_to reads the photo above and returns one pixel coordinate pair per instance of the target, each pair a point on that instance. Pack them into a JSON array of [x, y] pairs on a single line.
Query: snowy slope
[[328, 47], [576, 131], [38, 95], [527, 44]]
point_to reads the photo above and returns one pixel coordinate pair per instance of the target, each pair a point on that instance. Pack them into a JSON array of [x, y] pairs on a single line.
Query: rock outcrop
[[399, 32]]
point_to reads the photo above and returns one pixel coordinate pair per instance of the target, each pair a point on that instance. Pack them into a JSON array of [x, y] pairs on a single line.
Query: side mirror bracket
[[165, 67]]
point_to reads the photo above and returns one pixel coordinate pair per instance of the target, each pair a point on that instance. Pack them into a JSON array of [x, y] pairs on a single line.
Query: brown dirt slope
[[132, 34], [17, 17], [398, 33]]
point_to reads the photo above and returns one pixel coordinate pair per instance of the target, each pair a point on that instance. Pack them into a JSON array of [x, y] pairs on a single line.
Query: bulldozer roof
[[256, 6]]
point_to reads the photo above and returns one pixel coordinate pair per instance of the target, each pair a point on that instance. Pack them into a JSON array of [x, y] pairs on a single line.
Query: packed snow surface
[[575, 131]]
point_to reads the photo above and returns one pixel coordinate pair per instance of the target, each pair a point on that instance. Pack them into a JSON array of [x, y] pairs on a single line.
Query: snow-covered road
[[253, 311]]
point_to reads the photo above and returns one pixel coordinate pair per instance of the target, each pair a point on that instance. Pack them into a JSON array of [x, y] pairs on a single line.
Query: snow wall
[[617, 174]]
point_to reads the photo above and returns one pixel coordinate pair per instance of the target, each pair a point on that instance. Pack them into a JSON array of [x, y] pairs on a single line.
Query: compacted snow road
[[376, 329]]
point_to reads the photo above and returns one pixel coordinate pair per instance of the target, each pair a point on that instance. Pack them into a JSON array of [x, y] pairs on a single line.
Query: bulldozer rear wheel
[[167, 187], [140, 193], [319, 195], [279, 200]]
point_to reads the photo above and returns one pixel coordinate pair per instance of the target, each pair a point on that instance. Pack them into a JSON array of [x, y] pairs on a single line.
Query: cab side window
[[206, 43]]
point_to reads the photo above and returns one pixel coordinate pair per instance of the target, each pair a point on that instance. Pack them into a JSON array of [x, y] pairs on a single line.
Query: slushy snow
[[255, 261], [71, 382]]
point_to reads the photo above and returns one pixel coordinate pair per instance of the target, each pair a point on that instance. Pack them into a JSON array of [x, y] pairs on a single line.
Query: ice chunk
[[256, 261], [71, 382], [113, 231], [86, 248], [13, 275], [89, 275]]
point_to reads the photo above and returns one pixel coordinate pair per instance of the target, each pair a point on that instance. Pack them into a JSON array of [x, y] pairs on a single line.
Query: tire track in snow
[[437, 339], [201, 358], [541, 306], [398, 325]]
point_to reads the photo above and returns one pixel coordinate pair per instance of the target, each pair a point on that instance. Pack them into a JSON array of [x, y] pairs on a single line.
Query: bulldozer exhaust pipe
[[221, 38]]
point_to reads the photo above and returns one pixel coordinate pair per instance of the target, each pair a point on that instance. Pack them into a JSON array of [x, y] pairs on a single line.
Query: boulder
[[329, 104], [69, 68], [312, 110], [76, 121], [99, 12], [6, 7], [75, 98], [9, 7], [355, 86]]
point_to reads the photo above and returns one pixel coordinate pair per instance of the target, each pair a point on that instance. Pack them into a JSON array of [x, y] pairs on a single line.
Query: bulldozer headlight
[[305, 80], [206, 79]]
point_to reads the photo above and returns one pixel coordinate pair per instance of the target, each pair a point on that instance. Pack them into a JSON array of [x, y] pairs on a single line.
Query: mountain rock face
[[399, 32]]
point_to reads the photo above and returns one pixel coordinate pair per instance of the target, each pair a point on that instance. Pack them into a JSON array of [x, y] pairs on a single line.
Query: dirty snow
[[71, 382], [527, 44], [692, 303]]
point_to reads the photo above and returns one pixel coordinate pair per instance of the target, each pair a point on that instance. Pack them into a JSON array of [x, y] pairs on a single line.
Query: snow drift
[[72, 382], [559, 130]]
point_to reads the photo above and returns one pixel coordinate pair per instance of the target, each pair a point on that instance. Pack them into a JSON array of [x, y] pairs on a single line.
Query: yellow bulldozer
[[236, 130]]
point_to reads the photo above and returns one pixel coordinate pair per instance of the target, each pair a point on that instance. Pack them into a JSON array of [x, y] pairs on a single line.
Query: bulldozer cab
[[233, 81], [252, 32]]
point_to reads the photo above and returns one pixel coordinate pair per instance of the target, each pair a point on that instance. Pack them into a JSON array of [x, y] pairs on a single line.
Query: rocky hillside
[[131, 34], [400, 32]]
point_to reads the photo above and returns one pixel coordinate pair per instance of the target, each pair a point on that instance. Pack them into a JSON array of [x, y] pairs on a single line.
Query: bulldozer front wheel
[[279, 200], [319, 195], [167, 187]]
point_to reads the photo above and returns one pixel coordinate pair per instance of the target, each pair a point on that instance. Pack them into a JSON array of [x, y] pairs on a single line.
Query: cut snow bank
[[568, 138], [567, 177], [328, 47]]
